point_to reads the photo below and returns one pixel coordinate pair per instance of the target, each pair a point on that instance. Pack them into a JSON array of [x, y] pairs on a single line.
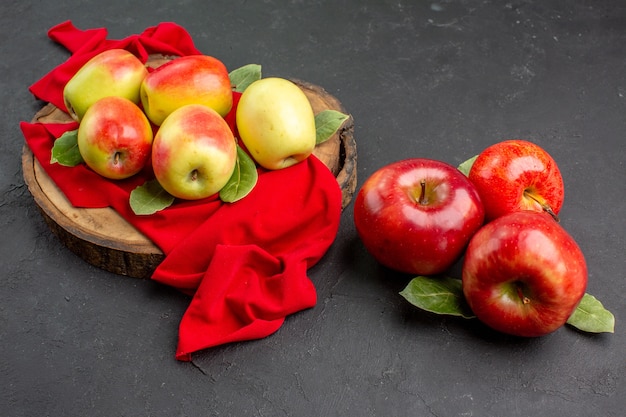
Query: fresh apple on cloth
[[191, 79], [194, 152], [417, 215], [115, 72], [115, 138], [276, 123], [515, 175], [523, 274]]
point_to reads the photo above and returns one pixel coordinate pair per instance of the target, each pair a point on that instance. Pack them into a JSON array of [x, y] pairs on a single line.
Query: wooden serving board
[[104, 239]]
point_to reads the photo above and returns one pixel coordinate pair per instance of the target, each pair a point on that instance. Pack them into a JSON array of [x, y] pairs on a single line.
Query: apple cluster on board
[[173, 118], [522, 273]]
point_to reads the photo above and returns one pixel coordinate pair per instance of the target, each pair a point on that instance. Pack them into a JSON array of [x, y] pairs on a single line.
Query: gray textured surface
[[440, 80]]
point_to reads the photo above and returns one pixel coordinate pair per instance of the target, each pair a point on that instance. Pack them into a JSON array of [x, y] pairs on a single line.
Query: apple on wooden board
[[515, 175], [192, 79], [114, 72], [523, 274], [194, 152], [276, 123], [417, 215], [115, 138]]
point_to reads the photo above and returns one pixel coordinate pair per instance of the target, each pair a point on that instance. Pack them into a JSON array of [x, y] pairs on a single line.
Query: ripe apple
[[523, 274], [115, 72], [516, 175], [194, 152], [115, 137], [193, 79], [276, 123], [417, 215]]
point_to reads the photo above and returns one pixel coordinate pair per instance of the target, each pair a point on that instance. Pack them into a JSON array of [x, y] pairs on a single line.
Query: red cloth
[[245, 264]]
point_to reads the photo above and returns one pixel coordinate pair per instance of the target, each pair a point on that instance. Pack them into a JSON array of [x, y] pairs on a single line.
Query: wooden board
[[103, 238]]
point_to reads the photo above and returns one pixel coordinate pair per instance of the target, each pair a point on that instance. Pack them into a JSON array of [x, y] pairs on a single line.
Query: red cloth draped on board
[[244, 264]]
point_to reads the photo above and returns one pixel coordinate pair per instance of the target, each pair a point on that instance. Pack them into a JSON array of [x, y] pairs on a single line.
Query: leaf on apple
[[467, 165], [241, 78], [591, 316], [327, 122], [65, 150], [149, 198], [242, 181], [440, 295]]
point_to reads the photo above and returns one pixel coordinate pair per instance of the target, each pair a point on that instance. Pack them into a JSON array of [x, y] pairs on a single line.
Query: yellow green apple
[[193, 79], [194, 152], [115, 138], [276, 123], [114, 72]]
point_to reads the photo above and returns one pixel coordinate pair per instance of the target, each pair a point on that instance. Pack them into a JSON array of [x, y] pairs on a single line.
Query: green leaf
[[242, 181], [591, 316], [149, 198], [65, 150], [327, 122], [440, 295], [467, 165], [241, 78]]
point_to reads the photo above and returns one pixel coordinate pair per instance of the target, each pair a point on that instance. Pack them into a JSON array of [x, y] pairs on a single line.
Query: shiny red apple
[[523, 274], [417, 215], [515, 175]]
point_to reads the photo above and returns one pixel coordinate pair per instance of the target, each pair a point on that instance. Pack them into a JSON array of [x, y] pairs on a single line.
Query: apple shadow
[[367, 269], [388, 283], [460, 327]]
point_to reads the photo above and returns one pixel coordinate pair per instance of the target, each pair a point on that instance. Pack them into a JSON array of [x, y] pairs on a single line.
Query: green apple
[[115, 138], [193, 79], [194, 152], [115, 72], [276, 123]]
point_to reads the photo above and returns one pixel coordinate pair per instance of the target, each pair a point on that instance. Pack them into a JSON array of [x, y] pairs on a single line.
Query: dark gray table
[[433, 79]]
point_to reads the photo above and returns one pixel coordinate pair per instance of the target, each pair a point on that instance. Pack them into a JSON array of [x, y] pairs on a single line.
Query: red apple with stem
[[115, 137], [516, 175], [417, 215], [523, 274]]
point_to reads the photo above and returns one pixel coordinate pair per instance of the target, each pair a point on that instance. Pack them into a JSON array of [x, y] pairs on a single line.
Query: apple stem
[[423, 200], [194, 175], [116, 158], [520, 293], [545, 206]]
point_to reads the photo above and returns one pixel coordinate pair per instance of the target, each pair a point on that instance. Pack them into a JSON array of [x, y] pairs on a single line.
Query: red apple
[[115, 137], [417, 215], [192, 79], [516, 175], [523, 274], [194, 152]]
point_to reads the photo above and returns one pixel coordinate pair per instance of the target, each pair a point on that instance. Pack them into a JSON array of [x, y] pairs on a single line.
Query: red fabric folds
[[244, 264], [167, 38]]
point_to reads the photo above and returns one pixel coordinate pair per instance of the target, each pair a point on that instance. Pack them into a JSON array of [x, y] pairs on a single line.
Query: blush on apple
[[191, 79], [194, 152], [523, 274], [115, 138], [417, 215], [516, 175], [114, 72]]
